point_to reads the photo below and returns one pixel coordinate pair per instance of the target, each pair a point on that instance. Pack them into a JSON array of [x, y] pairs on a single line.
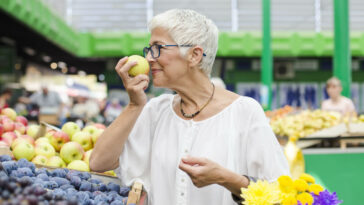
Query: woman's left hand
[[202, 171]]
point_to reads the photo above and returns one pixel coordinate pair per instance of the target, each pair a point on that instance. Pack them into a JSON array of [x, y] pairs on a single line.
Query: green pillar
[[267, 71], [342, 55]]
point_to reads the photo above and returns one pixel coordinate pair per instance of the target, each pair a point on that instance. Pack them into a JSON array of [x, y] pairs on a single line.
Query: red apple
[[22, 138], [20, 127], [2, 118], [58, 139], [9, 125], [99, 125], [70, 128], [1, 129], [8, 137], [9, 113], [22, 120]]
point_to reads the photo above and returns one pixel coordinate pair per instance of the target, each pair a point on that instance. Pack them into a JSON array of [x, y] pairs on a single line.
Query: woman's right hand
[[135, 86]]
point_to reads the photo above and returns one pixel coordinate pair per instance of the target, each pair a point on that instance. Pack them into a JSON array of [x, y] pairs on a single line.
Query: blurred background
[[279, 52]]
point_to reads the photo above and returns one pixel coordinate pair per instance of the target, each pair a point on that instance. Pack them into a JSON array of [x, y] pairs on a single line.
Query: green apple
[[79, 165], [71, 151], [40, 159], [42, 139], [84, 139], [22, 138], [94, 132], [24, 150], [86, 157], [141, 68], [58, 139], [70, 128], [32, 130], [45, 149], [56, 161]]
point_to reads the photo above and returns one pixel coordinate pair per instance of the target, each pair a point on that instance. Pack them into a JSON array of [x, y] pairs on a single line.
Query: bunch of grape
[[22, 183]]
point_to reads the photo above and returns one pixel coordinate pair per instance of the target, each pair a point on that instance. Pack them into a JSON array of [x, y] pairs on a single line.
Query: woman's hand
[[135, 86], [202, 171]]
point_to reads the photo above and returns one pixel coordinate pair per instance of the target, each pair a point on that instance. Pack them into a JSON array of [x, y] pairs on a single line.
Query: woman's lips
[[154, 71]]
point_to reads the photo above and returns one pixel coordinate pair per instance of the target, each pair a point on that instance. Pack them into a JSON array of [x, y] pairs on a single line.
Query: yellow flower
[[308, 178], [289, 200], [315, 188], [300, 185], [286, 184], [261, 193], [305, 198]]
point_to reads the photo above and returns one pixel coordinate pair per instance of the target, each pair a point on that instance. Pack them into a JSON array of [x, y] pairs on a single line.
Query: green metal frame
[[342, 56], [267, 59], [239, 44]]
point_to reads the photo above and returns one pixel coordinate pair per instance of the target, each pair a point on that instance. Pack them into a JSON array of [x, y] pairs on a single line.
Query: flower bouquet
[[286, 191]]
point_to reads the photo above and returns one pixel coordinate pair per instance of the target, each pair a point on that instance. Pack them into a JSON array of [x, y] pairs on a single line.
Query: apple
[[49, 134], [71, 151], [32, 130], [9, 112], [20, 127], [99, 125], [22, 120], [4, 144], [45, 149], [42, 139], [86, 157], [84, 139], [58, 139], [1, 129], [24, 150], [8, 137], [40, 159], [111, 172], [93, 131], [70, 128], [22, 138], [142, 66], [9, 125], [56, 161], [79, 165]]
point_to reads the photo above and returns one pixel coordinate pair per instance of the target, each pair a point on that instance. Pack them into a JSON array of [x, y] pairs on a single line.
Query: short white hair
[[187, 27]]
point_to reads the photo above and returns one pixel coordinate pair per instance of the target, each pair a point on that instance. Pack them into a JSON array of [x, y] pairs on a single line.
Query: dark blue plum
[[25, 171], [84, 175], [124, 191], [60, 181], [43, 177], [75, 181], [9, 166], [95, 181], [23, 163], [66, 186], [41, 171], [82, 196], [116, 202], [113, 187], [4, 158], [51, 185], [102, 187], [85, 186], [59, 173], [14, 173]]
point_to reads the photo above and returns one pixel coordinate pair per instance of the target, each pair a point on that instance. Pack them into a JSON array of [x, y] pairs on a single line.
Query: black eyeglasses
[[156, 50]]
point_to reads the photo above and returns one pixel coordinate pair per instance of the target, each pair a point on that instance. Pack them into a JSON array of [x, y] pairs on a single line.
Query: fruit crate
[[136, 196]]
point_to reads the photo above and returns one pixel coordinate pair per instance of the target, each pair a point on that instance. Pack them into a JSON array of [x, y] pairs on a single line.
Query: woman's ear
[[195, 55]]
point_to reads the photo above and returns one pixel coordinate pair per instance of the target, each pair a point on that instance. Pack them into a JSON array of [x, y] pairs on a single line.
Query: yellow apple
[[45, 149], [41, 139], [24, 150], [86, 157], [40, 159], [79, 165], [56, 161], [141, 68]]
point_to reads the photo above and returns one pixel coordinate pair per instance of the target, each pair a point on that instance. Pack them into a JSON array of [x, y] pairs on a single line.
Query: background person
[[195, 146]]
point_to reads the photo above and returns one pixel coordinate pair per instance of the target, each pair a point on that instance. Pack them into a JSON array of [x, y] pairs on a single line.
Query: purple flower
[[325, 198]]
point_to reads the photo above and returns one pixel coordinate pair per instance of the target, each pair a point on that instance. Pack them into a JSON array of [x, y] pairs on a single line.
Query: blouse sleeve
[[134, 161], [265, 158]]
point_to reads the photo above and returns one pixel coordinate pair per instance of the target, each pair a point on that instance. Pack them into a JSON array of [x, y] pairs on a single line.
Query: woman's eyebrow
[[157, 42]]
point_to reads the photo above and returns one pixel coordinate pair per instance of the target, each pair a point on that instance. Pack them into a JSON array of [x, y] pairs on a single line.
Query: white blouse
[[238, 138]]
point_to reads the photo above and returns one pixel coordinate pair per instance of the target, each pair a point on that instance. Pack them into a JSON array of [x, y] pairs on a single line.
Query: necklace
[[196, 113]]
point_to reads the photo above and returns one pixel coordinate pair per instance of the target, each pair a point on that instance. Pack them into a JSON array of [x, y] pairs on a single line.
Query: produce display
[[22, 183], [69, 147], [304, 123]]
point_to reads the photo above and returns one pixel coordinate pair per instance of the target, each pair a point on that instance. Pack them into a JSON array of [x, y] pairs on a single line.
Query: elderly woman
[[198, 146]]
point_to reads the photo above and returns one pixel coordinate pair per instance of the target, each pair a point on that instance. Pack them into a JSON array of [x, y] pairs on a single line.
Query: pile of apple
[[69, 147]]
